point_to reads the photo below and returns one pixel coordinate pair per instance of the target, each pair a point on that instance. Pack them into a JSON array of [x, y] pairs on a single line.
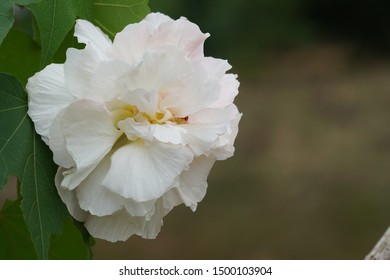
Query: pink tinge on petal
[[182, 34], [135, 125], [158, 31]]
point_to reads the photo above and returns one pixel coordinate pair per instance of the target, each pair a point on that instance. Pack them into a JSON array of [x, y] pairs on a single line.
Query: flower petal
[[156, 19], [94, 197], [182, 34], [158, 31], [120, 226], [69, 198], [116, 227], [193, 182], [91, 35], [165, 133], [224, 148], [229, 90], [144, 171], [81, 64], [47, 97], [167, 80], [205, 127], [89, 135], [99, 201], [105, 80], [57, 143], [215, 68]]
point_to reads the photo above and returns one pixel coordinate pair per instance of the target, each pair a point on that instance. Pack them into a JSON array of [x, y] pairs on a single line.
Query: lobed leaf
[[25, 155], [15, 241], [55, 18], [113, 15], [16, 128], [70, 245], [6, 18], [21, 61], [25, 2]]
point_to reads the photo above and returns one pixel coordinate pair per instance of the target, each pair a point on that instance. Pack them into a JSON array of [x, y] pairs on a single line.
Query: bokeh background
[[310, 178]]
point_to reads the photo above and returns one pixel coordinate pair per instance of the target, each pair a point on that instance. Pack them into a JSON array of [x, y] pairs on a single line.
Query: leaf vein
[[13, 134], [119, 5], [37, 194], [12, 96], [13, 108]]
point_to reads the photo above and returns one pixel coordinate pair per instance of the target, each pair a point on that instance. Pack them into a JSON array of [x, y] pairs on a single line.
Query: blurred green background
[[310, 177]]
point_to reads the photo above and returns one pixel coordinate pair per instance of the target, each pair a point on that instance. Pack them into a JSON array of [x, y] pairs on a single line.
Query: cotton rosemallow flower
[[136, 124]]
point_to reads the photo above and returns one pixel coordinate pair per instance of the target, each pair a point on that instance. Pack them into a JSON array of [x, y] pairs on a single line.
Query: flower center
[[125, 111]]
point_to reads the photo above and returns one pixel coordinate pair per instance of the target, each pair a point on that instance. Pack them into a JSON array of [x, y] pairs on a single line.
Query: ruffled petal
[[69, 198], [89, 135], [167, 80], [105, 80], [80, 65], [158, 31], [94, 197], [48, 95], [229, 90], [205, 127], [116, 227], [216, 70], [156, 19], [91, 35], [144, 209], [215, 67], [144, 171], [57, 143], [130, 44], [193, 182], [190, 90], [145, 100], [99, 201], [120, 226], [78, 69], [165, 133], [182, 34], [224, 147]]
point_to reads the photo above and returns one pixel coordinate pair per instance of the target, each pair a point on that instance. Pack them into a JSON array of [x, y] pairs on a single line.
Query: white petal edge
[[69, 198], [120, 226], [89, 135], [144, 171], [193, 182], [91, 35], [47, 95], [165, 133], [99, 201]]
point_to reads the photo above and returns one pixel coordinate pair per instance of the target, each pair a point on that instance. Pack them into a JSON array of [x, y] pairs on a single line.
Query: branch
[[381, 250]]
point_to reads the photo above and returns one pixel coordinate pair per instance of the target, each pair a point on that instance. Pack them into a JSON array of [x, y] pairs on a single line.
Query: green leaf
[[70, 41], [26, 156], [19, 55], [16, 244], [6, 18], [113, 15], [70, 244], [15, 241], [55, 18], [16, 128], [25, 2]]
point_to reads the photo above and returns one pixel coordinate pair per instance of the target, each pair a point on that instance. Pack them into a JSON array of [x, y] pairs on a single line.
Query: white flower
[[136, 124]]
